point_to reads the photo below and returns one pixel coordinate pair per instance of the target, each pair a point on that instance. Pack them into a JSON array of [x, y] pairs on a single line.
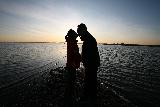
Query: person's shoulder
[[93, 40]]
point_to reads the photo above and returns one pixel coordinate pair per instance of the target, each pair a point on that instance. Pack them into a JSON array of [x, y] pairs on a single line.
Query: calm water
[[134, 72]]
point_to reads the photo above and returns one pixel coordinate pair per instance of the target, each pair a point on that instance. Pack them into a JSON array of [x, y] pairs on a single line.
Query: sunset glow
[[109, 21]]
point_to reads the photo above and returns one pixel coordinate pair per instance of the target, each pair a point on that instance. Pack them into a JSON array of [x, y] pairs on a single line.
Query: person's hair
[[82, 26], [71, 35]]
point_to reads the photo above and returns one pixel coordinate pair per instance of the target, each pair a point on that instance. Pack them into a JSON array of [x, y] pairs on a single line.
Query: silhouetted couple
[[89, 57]]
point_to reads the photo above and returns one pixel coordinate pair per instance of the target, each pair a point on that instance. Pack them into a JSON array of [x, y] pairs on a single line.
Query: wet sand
[[47, 89]]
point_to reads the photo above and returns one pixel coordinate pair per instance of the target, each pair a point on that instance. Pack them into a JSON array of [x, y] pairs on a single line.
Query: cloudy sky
[[111, 21]]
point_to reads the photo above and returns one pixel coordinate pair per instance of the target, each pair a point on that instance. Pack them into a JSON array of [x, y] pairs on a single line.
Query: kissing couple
[[89, 57]]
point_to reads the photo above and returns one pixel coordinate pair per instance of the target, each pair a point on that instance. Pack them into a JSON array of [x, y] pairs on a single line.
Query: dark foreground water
[[132, 71]]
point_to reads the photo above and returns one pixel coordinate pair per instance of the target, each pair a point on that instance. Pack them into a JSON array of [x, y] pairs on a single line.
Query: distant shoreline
[[122, 44], [31, 42], [132, 45]]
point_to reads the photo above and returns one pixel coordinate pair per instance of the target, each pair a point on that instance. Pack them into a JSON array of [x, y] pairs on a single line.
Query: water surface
[[133, 71]]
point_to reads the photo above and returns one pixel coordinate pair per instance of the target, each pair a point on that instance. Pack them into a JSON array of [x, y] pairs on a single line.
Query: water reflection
[[132, 71]]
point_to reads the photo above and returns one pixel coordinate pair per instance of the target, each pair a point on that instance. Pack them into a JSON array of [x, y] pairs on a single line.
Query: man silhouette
[[90, 60]]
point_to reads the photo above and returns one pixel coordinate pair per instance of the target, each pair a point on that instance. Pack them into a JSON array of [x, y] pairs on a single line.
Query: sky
[[109, 21]]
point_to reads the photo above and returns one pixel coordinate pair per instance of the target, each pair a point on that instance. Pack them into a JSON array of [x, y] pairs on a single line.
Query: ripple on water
[[131, 70]]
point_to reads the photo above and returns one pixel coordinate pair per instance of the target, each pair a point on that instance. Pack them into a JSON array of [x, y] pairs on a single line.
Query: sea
[[133, 72]]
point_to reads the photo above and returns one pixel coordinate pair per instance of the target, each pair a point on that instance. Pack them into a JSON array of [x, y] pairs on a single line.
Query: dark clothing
[[90, 55], [90, 86], [73, 62], [73, 56], [91, 62], [69, 91]]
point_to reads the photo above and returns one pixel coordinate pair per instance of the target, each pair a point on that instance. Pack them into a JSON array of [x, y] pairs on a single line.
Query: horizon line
[[105, 43]]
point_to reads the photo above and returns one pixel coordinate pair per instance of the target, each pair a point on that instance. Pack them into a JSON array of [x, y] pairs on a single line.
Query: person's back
[[90, 60], [90, 55]]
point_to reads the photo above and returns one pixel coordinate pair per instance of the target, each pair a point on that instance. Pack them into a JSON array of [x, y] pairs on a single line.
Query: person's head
[[71, 35], [81, 30]]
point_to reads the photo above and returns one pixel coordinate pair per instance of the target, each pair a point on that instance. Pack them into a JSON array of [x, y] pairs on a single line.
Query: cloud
[[42, 17], [56, 17]]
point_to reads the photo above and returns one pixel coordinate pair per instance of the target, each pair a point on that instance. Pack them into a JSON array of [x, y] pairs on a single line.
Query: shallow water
[[134, 72], [22, 60]]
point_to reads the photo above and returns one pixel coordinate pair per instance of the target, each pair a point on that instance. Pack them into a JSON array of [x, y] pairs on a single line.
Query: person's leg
[[90, 87], [86, 82], [93, 85], [69, 92], [93, 82], [90, 80]]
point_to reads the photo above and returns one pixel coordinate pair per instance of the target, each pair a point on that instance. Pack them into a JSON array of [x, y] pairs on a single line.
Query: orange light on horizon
[[61, 38]]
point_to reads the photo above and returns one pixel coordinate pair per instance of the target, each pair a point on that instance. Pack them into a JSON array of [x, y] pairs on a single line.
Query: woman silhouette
[[73, 62]]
